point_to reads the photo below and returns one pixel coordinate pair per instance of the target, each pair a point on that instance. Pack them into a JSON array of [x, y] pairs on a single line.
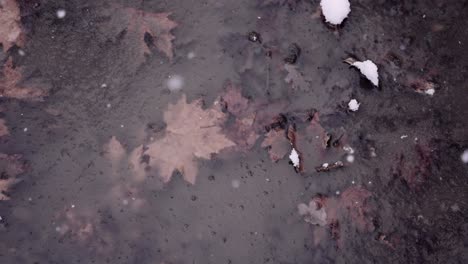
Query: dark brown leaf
[[10, 88]]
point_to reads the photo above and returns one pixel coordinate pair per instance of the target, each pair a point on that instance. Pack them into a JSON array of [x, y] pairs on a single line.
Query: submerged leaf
[[138, 25], [114, 150], [10, 27], [313, 213], [3, 128], [278, 144], [9, 85], [10, 167], [191, 133]]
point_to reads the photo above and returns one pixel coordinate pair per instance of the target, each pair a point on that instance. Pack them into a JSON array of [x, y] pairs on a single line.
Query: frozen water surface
[[160, 132]]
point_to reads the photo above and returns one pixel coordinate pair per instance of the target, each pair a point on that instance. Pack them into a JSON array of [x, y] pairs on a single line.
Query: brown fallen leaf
[[191, 133], [278, 144], [9, 85], [114, 150], [242, 130], [10, 24], [295, 78], [414, 167], [250, 117], [352, 207], [86, 228], [233, 100], [10, 167], [354, 201], [311, 142], [3, 128], [138, 23], [314, 212]]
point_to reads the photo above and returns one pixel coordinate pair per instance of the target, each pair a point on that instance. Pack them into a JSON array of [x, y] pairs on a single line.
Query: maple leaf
[[311, 142], [138, 23], [9, 85], [191, 133], [414, 167], [354, 201], [251, 118], [10, 27], [84, 227], [351, 207], [10, 167], [277, 143], [242, 130], [114, 150], [314, 213]]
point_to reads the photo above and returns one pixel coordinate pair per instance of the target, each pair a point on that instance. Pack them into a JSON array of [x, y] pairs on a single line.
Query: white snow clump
[[335, 11], [294, 157], [368, 69], [353, 105]]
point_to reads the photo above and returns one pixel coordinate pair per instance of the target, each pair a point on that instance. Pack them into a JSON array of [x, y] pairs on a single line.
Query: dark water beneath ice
[[74, 206]]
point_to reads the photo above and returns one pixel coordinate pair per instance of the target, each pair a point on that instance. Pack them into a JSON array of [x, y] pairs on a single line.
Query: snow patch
[[353, 105], [368, 69], [430, 91], [294, 157], [335, 11]]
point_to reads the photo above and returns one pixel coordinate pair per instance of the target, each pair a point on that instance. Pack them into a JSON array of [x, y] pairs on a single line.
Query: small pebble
[[25, 129]]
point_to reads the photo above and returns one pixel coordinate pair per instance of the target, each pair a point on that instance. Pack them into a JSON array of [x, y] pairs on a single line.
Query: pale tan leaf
[[10, 24], [191, 133], [114, 150], [9, 85]]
